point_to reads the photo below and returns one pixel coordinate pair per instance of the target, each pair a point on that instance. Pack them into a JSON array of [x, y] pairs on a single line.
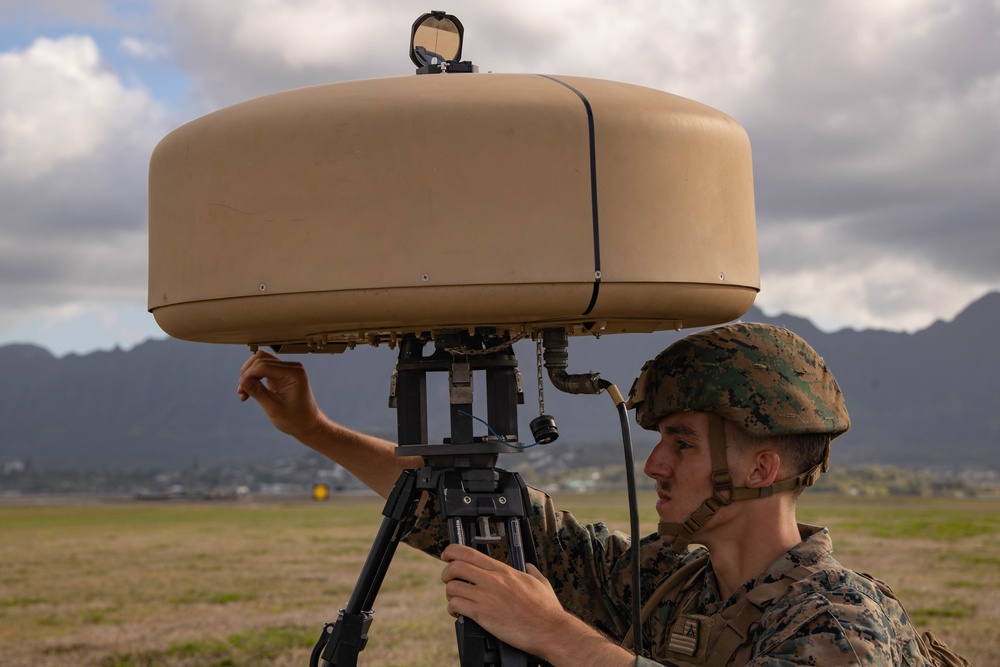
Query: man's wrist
[[580, 645]]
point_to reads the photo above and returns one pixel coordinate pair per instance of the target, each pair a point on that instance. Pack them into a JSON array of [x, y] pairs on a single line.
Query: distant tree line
[[581, 473]]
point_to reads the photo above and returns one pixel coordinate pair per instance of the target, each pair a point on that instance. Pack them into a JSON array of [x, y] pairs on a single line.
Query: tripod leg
[[400, 504], [347, 637]]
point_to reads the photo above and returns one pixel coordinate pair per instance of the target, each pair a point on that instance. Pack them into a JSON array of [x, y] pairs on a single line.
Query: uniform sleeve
[[588, 566]]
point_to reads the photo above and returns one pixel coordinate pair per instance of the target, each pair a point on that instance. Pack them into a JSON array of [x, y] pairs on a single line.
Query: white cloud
[[262, 46], [57, 271], [891, 293], [84, 326], [142, 49], [304, 34], [58, 104], [74, 149]]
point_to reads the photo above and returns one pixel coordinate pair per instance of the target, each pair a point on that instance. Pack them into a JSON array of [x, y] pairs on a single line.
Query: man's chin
[[671, 517], [670, 510]]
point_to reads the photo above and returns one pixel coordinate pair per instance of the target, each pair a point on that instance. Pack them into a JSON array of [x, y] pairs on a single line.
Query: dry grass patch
[[251, 584], [202, 584]]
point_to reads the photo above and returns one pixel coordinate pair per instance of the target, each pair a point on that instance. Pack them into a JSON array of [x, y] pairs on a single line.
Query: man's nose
[[656, 463]]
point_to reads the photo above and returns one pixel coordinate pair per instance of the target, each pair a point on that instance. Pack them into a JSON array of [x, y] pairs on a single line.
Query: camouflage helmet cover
[[765, 378]]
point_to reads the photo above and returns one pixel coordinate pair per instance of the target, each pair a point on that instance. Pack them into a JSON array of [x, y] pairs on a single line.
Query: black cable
[[633, 511]]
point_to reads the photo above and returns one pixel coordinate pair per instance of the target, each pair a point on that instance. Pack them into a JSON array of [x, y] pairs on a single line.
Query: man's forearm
[[281, 388], [579, 645], [372, 460]]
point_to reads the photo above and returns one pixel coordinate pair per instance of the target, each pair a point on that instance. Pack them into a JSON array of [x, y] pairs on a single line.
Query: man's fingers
[[250, 361], [257, 357], [250, 386], [460, 607], [460, 571], [460, 552], [251, 375], [249, 383], [263, 364], [261, 367]]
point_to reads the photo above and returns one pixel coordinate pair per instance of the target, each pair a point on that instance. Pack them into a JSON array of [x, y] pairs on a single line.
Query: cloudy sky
[[875, 129]]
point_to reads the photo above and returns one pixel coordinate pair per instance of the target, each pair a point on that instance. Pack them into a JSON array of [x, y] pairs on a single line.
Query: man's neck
[[750, 547]]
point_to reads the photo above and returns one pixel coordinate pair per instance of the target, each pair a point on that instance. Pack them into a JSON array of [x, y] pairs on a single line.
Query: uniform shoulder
[[842, 592], [843, 611]]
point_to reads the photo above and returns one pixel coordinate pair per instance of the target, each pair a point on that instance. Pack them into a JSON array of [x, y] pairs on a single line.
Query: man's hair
[[798, 452]]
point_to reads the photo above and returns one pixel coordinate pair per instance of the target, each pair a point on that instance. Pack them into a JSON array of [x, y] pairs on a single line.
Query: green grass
[[249, 649], [947, 608], [939, 525], [114, 518], [19, 602], [209, 597], [977, 559], [212, 584]]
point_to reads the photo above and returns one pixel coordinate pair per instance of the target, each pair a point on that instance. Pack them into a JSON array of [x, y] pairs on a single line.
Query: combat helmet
[[764, 378]]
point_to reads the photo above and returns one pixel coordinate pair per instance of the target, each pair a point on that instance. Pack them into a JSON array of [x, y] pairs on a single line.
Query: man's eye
[[683, 445]]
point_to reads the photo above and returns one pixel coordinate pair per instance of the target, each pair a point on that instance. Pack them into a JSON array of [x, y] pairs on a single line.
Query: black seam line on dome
[[593, 191]]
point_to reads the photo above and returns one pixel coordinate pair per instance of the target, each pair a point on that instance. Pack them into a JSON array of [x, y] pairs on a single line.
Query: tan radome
[[355, 212]]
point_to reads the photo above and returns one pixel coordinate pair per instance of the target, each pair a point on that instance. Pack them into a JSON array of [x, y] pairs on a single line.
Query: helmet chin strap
[[723, 492]]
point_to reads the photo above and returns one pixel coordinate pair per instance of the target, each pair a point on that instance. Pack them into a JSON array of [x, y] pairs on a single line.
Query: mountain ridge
[[927, 398]]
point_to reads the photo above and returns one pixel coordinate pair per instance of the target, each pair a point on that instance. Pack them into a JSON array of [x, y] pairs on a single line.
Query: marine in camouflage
[[765, 378], [814, 611], [804, 609]]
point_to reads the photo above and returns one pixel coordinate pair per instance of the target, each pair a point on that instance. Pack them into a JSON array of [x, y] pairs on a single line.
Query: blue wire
[[498, 436]]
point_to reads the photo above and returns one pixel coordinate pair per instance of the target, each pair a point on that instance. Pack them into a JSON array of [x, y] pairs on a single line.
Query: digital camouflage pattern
[[814, 611], [805, 609], [764, 378]]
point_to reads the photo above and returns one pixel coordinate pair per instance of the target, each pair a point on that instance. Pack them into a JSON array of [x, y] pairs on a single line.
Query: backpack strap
[[735, 626], [675, 583], [731, 631]]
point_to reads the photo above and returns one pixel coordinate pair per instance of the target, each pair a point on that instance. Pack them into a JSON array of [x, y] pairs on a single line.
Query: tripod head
[[460, 354]]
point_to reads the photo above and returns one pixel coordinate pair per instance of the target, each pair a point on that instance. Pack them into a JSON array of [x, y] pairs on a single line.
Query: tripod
[[481, 505]]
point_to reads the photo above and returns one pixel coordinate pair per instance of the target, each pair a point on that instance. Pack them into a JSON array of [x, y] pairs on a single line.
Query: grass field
[[216, 584]]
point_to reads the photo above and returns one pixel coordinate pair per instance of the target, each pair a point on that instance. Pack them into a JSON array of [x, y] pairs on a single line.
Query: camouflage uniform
[[805, 609], [832, 617]]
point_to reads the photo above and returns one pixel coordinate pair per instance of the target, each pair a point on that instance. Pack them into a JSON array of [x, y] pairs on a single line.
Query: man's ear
[[764, 472]]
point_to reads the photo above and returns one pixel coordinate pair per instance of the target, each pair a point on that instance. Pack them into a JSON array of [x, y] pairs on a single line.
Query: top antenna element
[[436, 44]]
